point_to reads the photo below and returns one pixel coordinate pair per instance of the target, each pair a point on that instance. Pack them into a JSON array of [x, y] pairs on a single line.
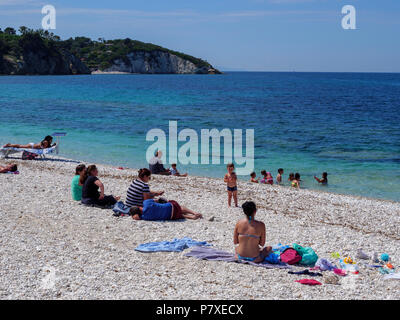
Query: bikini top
[[249, 235]]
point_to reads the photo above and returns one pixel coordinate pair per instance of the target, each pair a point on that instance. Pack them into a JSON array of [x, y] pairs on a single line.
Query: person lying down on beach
[[45, 143], [8, 168], [154, 210], [249, 236]]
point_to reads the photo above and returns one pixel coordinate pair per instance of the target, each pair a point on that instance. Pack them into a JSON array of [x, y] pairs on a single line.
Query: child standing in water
[[253, 177], [279, 176], [296, 181], [269, 179], [324, 179], [231, 181]]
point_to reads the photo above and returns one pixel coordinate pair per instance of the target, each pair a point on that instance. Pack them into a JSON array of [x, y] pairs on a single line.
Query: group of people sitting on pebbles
[[87, 188], [249, 233]]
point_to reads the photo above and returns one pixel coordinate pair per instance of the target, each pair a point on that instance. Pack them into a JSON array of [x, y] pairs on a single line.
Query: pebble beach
[[55, 248]]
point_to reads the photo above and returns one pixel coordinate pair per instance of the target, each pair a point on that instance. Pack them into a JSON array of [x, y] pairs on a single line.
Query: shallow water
[[347, 124]]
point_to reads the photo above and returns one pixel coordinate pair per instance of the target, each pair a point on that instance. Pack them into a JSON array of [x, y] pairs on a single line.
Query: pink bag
[[290, 256]]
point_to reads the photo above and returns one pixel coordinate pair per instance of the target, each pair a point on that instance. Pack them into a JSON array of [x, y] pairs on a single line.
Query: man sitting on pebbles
[[161, 209]]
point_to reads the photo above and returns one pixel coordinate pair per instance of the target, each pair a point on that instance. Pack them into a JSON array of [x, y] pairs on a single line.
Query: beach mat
[[175, 245], [212, 254]]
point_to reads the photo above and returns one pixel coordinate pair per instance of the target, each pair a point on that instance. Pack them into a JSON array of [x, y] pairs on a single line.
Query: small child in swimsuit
[[264, 174], [296, 181], [174, 171], [231, 181], [253, 177], [279, 176], [269, 179]]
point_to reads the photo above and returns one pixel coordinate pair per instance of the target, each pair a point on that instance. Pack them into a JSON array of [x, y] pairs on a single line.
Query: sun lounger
[[5, 152]]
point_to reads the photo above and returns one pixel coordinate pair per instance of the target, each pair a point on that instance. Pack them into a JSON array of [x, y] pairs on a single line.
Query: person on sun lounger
[[8, 168], [45, 143], [249, 236], [154, 210], [90, 189]]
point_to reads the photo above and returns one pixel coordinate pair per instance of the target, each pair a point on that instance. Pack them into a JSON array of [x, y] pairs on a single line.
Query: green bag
[[308, 255]]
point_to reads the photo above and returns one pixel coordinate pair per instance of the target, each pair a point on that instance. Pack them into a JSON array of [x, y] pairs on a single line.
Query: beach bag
[[120, 209], [26, 155], [273, 258], [290, 256], [308, 256]]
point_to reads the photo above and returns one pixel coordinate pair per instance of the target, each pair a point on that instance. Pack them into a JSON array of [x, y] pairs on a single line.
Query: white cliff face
[[154, 62]]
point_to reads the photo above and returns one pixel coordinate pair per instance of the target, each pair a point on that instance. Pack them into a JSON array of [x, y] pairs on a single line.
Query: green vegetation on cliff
[[96, 55]]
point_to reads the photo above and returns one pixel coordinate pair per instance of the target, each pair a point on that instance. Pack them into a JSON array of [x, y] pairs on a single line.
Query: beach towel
[[394, 276], [310, 282], [212, 254], [307, 272], [175, 245], [325, 264]]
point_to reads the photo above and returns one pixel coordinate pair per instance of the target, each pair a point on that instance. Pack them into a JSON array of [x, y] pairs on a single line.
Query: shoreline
[[93, 257], [361, 197]]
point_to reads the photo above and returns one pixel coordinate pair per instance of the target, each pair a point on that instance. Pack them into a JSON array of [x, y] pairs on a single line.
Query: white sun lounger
[[5, 152]]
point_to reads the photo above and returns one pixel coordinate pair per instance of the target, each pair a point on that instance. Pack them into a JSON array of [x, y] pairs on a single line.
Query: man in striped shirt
[[139, 190]]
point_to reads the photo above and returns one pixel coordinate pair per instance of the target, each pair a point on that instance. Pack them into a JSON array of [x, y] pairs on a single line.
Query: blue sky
[[254, 35]]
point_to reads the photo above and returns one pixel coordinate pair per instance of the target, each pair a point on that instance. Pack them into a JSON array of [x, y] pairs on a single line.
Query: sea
[[346, 124]]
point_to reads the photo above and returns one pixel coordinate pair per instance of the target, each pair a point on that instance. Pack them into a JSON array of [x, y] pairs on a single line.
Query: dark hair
[[87, 173], [13, 168], [263, 172], [144, 172], [280, 170], [162, 200], [297, 176], [325, 174], [79, 168], [249, 207], [252, 174], [230, 165], [47, 139], [135, 210]]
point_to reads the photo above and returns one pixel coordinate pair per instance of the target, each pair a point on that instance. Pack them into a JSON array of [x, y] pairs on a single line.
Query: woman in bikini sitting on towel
[[249, 236], [45, 143]]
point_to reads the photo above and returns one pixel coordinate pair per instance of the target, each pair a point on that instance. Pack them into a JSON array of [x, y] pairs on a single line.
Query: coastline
[[92, 253]]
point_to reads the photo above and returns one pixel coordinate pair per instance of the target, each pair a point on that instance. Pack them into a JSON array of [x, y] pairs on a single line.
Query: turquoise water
[[347, 124]]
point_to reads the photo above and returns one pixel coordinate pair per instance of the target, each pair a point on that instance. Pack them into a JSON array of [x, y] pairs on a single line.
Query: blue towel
[[175, 245]]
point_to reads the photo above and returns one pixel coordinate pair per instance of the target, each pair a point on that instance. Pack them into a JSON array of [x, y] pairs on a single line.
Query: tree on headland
[[10, 31], [22, 29]]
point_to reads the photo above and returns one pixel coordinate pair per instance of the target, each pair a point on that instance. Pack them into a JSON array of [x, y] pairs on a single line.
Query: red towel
[[310, 282]]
